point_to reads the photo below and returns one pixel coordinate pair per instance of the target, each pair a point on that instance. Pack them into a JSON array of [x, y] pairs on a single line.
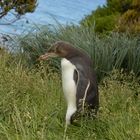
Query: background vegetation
[[115, 15], [119, 51], [32, 105], [16, 8]]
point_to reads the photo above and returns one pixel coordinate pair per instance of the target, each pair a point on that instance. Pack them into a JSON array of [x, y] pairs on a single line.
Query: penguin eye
[[50, 50], [58, 49]]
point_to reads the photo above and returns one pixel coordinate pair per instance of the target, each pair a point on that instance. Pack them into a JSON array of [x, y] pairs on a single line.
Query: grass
[[107, 52], [32, 106]]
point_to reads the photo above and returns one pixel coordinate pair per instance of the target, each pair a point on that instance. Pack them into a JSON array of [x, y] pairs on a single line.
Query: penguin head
[[58, 49]]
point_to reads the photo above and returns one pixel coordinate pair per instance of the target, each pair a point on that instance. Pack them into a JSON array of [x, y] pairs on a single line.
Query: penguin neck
[[66, 63]]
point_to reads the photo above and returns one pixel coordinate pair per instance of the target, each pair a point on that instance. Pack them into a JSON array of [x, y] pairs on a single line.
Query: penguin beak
[[46, 56]]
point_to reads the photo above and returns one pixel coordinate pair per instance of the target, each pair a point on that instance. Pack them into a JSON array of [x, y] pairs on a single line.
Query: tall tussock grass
[[28, 100], [32, 106], [107, 52]]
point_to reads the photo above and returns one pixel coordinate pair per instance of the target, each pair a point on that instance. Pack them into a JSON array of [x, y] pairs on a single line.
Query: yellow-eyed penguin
[[78, 78]]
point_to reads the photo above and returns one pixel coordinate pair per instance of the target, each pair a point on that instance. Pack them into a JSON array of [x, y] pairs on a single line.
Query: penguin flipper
[[82, 89]]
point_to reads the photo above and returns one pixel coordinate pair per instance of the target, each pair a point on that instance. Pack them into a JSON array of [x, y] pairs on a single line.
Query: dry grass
[[32, 106]]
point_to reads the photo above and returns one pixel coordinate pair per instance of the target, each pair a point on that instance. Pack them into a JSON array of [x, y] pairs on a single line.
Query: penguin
[[79, 81]]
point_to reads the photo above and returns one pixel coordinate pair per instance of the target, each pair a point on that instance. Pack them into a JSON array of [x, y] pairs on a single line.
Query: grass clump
[[32, 106], [107, 52]]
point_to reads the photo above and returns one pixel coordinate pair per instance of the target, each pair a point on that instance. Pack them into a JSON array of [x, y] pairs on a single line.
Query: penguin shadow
[[83, 115], [79, 120]]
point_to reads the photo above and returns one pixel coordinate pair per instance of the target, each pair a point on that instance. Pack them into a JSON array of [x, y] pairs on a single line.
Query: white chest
[[69, 87], [68, 83]]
